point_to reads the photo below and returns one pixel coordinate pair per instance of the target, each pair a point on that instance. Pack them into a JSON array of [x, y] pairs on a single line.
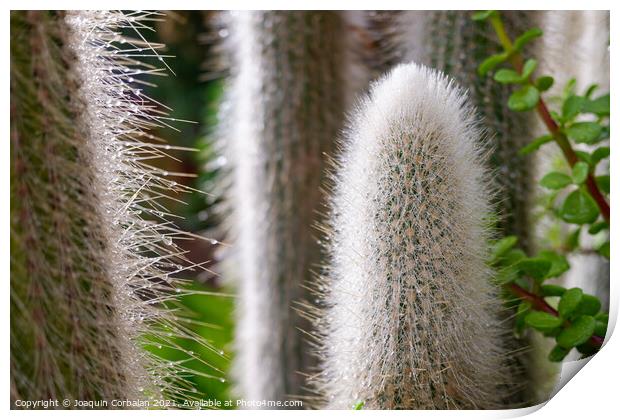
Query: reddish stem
[[540, 304], [516, 59]]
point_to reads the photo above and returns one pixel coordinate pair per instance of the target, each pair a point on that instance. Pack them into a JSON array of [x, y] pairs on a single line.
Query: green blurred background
[[194, 94]]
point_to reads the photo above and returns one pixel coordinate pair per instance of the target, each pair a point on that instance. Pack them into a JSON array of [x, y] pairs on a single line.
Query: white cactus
[[285, 107], [411, 319]]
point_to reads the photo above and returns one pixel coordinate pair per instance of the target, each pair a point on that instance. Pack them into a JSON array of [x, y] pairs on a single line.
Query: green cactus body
[[410, 319], [63, 331], [285, 108], [90, 277]]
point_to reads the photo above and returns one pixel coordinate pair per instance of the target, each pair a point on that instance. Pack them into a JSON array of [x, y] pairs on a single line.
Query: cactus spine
[[411, 319], [63, 336], [286, 102], [89, 275]]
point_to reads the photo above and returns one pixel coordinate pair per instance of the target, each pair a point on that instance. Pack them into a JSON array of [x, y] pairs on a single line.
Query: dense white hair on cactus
[[410, 317], [142, 258]]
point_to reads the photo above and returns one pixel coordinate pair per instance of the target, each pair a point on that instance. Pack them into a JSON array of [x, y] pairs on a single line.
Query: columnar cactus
[[64, 341], [458, 46], [90, 274], [411, 319], [285, 107], [451, 42]]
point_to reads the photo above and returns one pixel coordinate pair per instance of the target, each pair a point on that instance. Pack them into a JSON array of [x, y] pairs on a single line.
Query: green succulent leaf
[[506, 275], [598, 106], [513, 257], [603, 183], [559, 263], [600, 328], [555, 180], [544, 83], [491, 62], [528, 68], [569, 88], [604, 133], [502, 246], [589, 305], [577, 333], [507, 76], [524, 99], [572, 241], [557, 354], [597, 227], [600, 154], [542, 321], [358, 405], [535, 144], [483, 15], [579, 208], [569, 302], [571, 107], [604, 250], [547, 290], [580, 172], [526, 37], [584, 157], [537, 268], [522, 311], [584, 132], [590, 90], [603, 317]]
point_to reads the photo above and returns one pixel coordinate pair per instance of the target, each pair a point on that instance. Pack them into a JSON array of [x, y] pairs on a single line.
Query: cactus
[[90, 274], [463, 45], [451, 42], [285, 106], [411, 319]]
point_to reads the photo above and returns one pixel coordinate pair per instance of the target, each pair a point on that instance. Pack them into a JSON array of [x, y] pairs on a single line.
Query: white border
[[591, 395]]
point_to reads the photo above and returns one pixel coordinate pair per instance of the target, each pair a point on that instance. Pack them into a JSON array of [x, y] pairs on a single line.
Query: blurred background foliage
[[193, 94]]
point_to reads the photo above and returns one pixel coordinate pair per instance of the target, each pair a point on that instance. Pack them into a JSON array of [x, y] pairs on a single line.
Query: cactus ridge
[[409, 317]]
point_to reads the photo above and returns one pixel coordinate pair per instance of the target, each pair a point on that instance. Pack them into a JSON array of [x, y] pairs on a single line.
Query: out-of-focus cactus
[[92, 256], [285, 107], [411, 319]]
